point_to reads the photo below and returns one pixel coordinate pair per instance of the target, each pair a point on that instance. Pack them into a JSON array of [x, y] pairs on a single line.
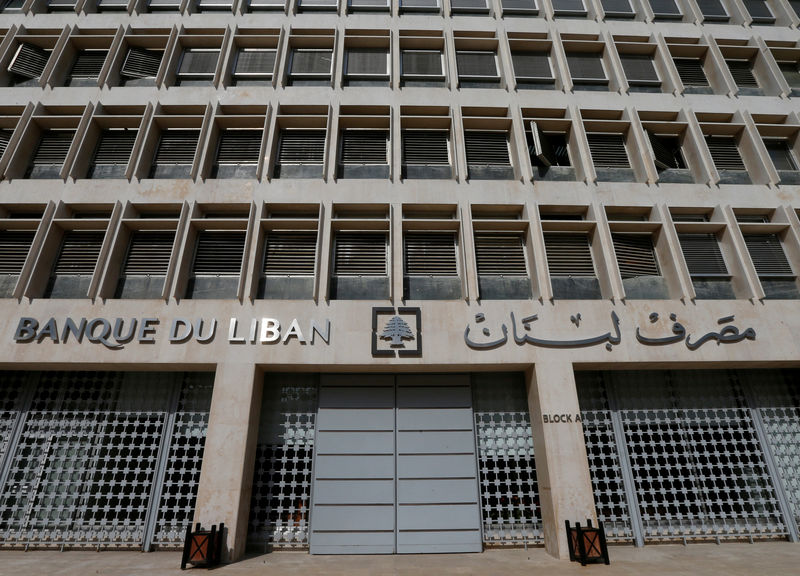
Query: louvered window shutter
[[149, 252], [141, 63], [759, 11], [586, 66], [364, 146], [691, 71], [425, 147], [14, 248], [426, 63], [487, 148], [290, 253], [768, 256], [702, 254], [29, 61], [573, 6], [742, 72], [617, 8], [218, 253], [639, 69], [430, 254], [367, 62], [665, 155], [312, 62], [725, 152], [568, 254], [301, 147], [198, 63], [53, 147], [79, 253], [665, 8], [477, 65], [712, 9], [115, 147], [531, 65], [360, 254], [500, 254], [608, 150], [177, 147], [780, 154], [635, 255], [791, 72], [468, 5], [88, 64], [254, 63], [5, 137], [239, 146]]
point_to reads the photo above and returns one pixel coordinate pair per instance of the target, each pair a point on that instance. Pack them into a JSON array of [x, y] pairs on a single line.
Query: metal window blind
[[791, 72], [79, 252], [141, 63], [290, 253], [115, 147], [218, 253], [500, 255], [702, 254], [198, 62], [725, 152], [301, 147], [367, 61], [665, 8], [177, 147], [569, 6], [239, 146], [531, 65], [742, 72], [364, 146], [426, 147], [149, 252], [29, 61], [14, 248], [255, 62], [476, 64], [712, 9], [586, 65], [639, 68], [487, 148], [53, 147], [5, 137], [422, 63], [666, 151], [88, 64], [316, 62], [430, 254], [568, 254], [780, 154], [759, 10], [608, 150], [360, 254], [635, 255], [767, 254], [691, 71], [617, 7]]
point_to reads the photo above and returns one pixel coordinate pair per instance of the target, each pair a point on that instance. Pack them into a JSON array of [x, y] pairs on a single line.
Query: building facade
[[398, 277]]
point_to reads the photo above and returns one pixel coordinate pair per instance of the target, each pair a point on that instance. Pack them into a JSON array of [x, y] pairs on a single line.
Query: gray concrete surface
[[763, 559]]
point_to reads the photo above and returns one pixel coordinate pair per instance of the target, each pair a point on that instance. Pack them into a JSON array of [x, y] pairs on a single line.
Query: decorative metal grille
[[11, 390], [509, 487], [284, 455]]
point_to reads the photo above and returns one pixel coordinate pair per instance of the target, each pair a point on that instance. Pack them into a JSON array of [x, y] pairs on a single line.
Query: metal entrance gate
[[97, 459], [693, 454]]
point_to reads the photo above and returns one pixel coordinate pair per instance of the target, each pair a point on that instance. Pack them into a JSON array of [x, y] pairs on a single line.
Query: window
[[164, 5], [666, 151], [430, 266], [355, 5], [640, 71], [477, 68], [774, 271], [303, 5], [608, 150], [174, 156], [638, 266], [367, 65], [519, 7], [310, 66], [569, 260], [742, 72], [11, 6], [532, 69], [586, 69], [258, 5], [666, 9], [426, 154], [791, 72], [51, 153], [61, 5], [781, 154], [198, 66], [300, 148], [364, 154], [706, 265], [419, 6], [74, 266], [360, 270], [217, 264], [111, 5], [617, 9], [475, 6], [28, 63], [14, 248], [212, 5], [289, 264], [725, 153], [112, 154], [422, 66], [140, 66], [713, 10], [144, 269], [86, 68], [487, 155], [759, 11], [548, 149], [254, 66], [238, 152], [501, 266], [691, 71], [569, 8]]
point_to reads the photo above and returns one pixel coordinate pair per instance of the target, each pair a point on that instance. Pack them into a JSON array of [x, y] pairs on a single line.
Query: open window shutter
[[430, 254], [360, 254], [500, 255], [364, 146], [53, 147], [5, 137], [767, 254], [239, 146], [177, 147], [665, 8], [531, 65], [149, 252], [219, 253], [608, 150], [316, 62], [712, 9], [301, 147], [255, 62], [568, 254], [617, 7], [691, 71], [14, 248], [702, 254], [742, 72], [422, 63], [586, 66], [115, 147], [663, 156], [639, 68], [635, 255], [541, 147], [367, 62], [725, 152], [141, 63], [290, 253], [79, 253], [29, 61], [759, 11], [425, 147], [487, 148], [89, 63], [476, 64]]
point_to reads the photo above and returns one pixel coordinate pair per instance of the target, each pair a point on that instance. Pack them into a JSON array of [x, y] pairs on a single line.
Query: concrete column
[[565, 486], [223, 494]]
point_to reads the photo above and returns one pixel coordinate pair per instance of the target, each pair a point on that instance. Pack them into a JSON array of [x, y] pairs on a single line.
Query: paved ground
[[763, 559]]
